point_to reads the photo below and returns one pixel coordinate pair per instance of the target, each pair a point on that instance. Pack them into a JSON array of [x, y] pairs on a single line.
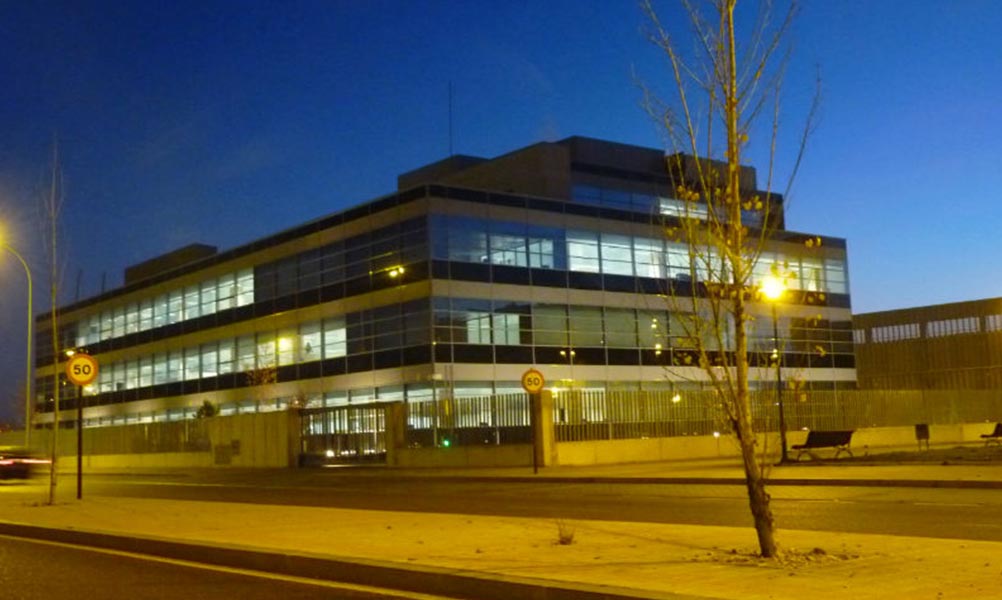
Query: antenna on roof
[[450, 118]]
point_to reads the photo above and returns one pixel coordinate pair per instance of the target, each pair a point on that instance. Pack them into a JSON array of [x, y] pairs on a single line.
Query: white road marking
[[232, 570]]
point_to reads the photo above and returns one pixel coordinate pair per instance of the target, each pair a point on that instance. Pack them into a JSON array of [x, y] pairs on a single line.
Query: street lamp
[[773, 288], [27, 376]]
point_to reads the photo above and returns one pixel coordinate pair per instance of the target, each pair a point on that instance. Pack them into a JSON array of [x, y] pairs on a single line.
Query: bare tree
[[722, 87], [258, 378], [52, 206]]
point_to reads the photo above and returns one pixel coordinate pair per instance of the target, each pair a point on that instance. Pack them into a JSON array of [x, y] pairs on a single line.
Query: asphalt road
[[929, 512], [31, 570]]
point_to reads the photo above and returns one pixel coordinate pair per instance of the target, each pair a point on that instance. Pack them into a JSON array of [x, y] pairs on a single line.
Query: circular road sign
[[533, 381], [81, 369]]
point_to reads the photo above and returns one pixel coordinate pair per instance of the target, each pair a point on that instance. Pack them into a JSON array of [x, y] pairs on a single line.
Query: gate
[[343, 435]]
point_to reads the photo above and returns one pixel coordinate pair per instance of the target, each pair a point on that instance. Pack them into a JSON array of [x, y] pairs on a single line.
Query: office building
[[553, 256]]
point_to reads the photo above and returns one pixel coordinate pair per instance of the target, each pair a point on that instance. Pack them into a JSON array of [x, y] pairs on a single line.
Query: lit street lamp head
[[773, 287]]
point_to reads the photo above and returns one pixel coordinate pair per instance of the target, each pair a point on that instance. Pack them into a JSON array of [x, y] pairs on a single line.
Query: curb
[[388, 576], [787, 481]]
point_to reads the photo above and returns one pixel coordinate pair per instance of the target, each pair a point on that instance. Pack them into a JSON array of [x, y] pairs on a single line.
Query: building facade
[[553, 256], [945, 346]]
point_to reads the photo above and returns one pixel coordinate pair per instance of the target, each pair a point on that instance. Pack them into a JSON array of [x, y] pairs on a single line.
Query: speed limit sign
[[81, 369], [532, 381]]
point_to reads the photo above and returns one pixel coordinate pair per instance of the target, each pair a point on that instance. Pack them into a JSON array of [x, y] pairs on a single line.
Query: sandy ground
[[715, 562]]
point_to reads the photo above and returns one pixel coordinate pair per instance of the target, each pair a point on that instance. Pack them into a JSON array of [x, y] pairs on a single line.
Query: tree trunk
[[758, 498]]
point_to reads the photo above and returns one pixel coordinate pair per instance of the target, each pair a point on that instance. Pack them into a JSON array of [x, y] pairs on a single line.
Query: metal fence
[[598, 415], [608, 415], [500, 419]]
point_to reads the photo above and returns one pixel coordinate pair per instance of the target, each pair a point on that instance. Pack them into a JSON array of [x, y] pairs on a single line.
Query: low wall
[[249, 440], [864, 441], [519, 455]]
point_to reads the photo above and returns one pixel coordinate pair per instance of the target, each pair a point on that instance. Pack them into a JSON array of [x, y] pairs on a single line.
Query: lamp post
[[773, 289], [27, 376]]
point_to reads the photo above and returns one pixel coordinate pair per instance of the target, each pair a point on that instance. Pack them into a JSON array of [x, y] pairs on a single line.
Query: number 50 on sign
[[81, 369], [533, 381]]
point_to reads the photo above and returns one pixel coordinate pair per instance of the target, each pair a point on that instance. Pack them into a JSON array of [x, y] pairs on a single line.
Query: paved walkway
[[492, 556]]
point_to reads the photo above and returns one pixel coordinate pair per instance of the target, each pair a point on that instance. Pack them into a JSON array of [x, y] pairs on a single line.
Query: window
[[649, 257], [208, 294], [585, 326], [617, 254], [582, 251], [145, 315], [118, 322], [286, 344], [192, 305], [678, 261], [174, 307], [145, 371], [467, 240], [335, 338], [226, 292], [245, 287], [226, 356], [620, 328], [266, 354], [541, 253], [245, 353], [159, 368], [549, 325], [174, 366], [478, 327], [131, 374], [131, 318], [506, 329], [310, 342], [508, 249], [160, 310], [210, 360], [192, 364]]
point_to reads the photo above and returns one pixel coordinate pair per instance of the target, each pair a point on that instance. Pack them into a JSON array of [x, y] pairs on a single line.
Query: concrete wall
[[249, 440], [463, 456], [864, 441]]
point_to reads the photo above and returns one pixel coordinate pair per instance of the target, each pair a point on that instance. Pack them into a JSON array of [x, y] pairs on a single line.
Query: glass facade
[[489, 242], [183, 304], [445, 328]]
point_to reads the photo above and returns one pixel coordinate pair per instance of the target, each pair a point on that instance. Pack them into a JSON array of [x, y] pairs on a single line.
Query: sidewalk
[[624, 558]]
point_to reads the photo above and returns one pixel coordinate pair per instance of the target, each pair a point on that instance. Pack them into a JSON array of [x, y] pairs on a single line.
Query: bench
[[995, 436], [825, 439]]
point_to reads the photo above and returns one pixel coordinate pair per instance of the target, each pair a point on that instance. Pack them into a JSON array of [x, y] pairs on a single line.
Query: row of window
[[513, 323], [205, 298], [452, 321], [377, 251], [894, 333], [382, 252], [933, 329], [474, 240], [652, 204]]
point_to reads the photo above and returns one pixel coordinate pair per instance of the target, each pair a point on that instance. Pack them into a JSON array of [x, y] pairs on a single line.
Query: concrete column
[[542, 416], [395, 435]]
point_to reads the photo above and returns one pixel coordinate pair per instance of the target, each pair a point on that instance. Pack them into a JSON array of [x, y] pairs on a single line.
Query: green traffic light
[[446, 443]]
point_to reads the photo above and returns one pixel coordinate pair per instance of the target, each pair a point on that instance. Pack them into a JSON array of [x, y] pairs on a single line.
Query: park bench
[[825, 439], [995, 436]]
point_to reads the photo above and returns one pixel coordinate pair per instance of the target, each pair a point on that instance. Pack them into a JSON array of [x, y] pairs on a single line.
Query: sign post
[[81, 370], [533, 382]]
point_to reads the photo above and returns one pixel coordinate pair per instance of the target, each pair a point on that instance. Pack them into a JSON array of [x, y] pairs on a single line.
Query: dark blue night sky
[[221, 122]]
